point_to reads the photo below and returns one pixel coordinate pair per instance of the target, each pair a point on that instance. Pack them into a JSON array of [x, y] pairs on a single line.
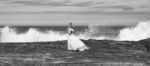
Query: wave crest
[[139, 32], [9, 35]]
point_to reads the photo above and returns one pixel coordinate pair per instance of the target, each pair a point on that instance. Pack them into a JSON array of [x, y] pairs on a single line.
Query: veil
[[74, 43]]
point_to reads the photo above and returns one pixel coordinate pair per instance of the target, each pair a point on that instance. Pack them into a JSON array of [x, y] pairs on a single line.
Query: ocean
[[58, 33]]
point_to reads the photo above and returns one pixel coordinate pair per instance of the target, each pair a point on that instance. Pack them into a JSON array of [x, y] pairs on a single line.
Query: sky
[[79, 12]]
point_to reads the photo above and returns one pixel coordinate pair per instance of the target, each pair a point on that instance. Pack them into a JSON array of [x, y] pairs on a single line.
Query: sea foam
[[32, 35], [139, 32], [135, 33]]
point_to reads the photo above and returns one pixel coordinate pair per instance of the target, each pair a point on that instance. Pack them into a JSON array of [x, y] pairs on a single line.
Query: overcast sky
[[80, 12]]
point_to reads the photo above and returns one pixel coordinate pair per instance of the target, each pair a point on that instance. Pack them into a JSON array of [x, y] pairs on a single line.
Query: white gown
[[74, 43]]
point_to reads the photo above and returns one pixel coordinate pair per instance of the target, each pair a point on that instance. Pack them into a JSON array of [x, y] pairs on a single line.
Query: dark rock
[[100, 51], [146, 43]]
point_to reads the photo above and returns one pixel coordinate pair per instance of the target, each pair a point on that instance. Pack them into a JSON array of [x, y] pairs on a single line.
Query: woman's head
[[70, 24]]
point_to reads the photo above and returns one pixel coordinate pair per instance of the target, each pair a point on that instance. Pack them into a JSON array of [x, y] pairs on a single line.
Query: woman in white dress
[[74, 43]]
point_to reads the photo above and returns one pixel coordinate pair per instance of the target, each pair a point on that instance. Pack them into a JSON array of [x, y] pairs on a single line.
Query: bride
[[74, 43]]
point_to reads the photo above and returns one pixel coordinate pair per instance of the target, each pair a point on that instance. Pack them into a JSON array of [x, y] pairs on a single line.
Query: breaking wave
[[10, 35], [139, 32]]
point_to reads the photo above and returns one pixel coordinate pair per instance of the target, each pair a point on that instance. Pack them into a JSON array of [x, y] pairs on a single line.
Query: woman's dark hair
[[70, 25]]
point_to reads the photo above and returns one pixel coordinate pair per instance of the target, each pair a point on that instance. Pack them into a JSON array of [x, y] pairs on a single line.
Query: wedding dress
[[74, 43]]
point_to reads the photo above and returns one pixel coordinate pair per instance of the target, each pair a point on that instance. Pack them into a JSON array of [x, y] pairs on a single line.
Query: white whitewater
[[139, 32], [32, 35], [8, 34]]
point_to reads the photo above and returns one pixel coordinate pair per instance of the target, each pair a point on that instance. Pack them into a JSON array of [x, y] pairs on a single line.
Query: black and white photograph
[[74, 32]]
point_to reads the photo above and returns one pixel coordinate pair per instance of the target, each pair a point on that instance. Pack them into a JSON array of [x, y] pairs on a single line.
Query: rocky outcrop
[[146, 43], [100, 52]]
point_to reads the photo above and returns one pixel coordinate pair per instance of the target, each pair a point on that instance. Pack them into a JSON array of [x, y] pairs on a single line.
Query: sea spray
[[134, 33], [32, 35], [139, 32], [9, 34]]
